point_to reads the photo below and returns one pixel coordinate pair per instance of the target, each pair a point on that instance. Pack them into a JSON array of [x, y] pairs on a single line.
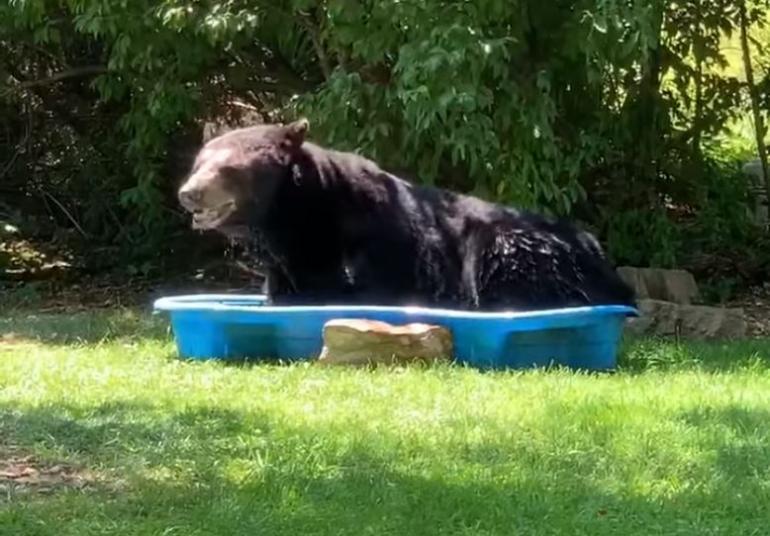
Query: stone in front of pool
[[351, 341]]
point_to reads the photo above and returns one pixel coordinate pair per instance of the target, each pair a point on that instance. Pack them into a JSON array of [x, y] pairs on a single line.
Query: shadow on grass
[[109, 429], [83, 327], [741, 450], [229, 472]]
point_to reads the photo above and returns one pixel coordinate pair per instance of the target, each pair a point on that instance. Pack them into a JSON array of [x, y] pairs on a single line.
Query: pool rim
[[210, 302]]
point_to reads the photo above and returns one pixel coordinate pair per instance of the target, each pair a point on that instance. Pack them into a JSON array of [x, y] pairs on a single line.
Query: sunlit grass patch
[[675, 442]]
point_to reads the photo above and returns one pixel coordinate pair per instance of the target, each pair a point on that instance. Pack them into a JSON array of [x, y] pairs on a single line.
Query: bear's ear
[[296, 132]]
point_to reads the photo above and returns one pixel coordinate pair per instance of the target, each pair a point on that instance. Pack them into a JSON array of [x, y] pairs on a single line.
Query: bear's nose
[[190, 197]]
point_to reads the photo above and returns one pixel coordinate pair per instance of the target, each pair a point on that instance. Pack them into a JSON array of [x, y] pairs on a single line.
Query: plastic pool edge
[[197, 302], [225, 326]]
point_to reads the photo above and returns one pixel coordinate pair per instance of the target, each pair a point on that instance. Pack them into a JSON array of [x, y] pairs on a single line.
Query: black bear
[[334, 228]]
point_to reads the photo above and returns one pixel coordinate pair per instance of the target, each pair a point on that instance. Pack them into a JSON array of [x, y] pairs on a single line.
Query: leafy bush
[[602, 109]]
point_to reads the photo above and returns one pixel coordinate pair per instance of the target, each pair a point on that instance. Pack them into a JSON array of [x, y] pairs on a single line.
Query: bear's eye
[[231, 173]]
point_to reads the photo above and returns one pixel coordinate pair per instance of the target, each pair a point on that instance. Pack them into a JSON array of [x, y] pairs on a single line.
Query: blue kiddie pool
[[232, 326]]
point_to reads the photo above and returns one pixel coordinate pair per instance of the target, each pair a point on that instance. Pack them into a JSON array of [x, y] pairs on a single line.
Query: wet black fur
[[334, 228]]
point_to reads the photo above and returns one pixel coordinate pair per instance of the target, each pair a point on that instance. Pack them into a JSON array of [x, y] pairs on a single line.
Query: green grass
[[676, 442]]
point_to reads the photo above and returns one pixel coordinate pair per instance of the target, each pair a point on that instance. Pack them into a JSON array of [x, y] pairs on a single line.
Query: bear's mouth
[[210, 218]]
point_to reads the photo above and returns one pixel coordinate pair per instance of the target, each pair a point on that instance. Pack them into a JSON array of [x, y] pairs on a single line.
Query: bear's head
[[236, 175]]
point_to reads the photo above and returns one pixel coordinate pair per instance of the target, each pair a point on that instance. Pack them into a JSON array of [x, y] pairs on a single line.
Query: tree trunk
[[759, 124], [697, 117], [647, 116]]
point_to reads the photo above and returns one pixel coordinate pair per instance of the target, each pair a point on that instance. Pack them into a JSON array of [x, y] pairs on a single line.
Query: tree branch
[[275, 73], [315, 36], [759, 124], [75, 72]]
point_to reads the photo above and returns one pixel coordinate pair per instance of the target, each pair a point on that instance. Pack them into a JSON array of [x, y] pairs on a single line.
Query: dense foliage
[[613, 111]]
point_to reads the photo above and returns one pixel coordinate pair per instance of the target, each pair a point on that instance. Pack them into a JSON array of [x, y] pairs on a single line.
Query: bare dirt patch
[[22, 474]]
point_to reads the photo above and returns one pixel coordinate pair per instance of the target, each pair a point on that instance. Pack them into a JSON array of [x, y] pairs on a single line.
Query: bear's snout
[[208, 200], [190, 198]]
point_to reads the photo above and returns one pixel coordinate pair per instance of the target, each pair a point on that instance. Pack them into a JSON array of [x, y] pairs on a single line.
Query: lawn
[[114, 435]]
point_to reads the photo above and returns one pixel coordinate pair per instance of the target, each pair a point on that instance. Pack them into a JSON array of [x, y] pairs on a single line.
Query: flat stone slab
[[372, 342], [676, 286], [661, 318]]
